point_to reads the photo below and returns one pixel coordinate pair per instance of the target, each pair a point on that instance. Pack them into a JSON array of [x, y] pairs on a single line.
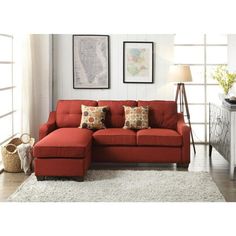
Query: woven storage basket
[[10, 157]]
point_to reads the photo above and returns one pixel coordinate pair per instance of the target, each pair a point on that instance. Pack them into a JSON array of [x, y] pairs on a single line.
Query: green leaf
[[224, 78]]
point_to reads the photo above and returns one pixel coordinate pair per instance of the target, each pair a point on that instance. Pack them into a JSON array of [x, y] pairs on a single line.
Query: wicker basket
[[10, 157]]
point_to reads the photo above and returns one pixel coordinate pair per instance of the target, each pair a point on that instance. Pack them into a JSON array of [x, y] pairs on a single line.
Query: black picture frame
[[139, 79], [83, 44]]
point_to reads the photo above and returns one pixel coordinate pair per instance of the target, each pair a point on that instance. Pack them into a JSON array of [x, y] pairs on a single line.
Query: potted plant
[[224, 78]]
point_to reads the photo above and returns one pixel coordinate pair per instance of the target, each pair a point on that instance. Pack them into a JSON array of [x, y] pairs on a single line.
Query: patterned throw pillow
[[93, 117], [136, 117]]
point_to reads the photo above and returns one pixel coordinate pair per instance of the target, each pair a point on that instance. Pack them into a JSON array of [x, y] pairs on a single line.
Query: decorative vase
[[222, 96]]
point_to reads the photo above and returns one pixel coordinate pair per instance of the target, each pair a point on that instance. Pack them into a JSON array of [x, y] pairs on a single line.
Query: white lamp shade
[[180, 73]]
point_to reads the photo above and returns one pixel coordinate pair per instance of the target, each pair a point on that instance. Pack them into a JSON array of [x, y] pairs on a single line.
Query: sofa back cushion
[[68, 112], [115, 117], [162, 114]]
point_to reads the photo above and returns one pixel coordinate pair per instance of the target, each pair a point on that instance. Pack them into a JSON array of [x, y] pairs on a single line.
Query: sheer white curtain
[[33, 72], [27, 117]]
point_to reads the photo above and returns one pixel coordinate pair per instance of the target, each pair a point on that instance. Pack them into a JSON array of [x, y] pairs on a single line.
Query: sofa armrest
[[48, 127], [184, 130], [182, 127]]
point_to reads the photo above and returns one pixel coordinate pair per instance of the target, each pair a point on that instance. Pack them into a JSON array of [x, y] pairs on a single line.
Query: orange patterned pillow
[[136, 117], [93, 117]]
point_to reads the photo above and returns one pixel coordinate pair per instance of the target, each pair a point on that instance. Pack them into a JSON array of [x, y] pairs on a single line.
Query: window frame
[[205, 84], [11, 88]]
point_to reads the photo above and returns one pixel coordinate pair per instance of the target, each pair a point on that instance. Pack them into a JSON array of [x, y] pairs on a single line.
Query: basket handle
[[22, 139], [12, 145]]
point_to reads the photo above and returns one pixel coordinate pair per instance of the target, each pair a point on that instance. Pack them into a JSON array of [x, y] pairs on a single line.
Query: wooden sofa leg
[[78, 178], [182, 165], [75, 178], [40, 178], [210, 150]]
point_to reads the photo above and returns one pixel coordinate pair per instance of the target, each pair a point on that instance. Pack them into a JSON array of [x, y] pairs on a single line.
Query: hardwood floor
[[9, 182], [216, 166]]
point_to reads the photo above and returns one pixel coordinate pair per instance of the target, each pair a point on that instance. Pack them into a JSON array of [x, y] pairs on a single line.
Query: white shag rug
[[123, 186]]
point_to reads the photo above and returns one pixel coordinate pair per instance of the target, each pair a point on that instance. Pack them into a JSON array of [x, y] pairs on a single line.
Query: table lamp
[[182, 74]]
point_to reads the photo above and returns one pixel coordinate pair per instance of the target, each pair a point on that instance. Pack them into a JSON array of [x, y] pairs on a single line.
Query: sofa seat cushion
[[115, 136], [159, 137], [64, 142]]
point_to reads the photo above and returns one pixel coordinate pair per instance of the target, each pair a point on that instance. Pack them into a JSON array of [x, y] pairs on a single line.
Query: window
[[7, 88], [203, 53]]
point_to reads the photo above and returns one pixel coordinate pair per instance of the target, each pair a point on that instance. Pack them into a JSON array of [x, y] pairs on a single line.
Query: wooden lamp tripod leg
[[181, 94], [188, 115], [177, 92]]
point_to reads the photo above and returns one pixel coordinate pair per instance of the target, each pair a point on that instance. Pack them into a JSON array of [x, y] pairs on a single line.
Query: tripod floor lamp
[[181, 74]]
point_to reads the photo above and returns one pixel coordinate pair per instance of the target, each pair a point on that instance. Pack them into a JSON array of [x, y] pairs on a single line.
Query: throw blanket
[[24, 151]]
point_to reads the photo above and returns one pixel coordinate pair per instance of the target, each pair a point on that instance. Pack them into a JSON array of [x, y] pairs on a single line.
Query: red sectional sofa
[[66, 150]]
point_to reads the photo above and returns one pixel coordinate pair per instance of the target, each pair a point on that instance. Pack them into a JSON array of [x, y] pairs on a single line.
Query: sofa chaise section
[[63, 148]]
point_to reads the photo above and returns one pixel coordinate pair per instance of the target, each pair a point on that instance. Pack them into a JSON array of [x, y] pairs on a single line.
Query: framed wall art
[[138, 65], [91, 62]]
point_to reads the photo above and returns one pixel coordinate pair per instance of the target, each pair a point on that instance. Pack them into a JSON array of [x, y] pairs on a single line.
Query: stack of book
[[229, 103]]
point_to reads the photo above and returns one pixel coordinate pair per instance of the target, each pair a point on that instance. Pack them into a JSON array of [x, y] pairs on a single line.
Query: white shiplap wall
[[161, 89], [232, 57]]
